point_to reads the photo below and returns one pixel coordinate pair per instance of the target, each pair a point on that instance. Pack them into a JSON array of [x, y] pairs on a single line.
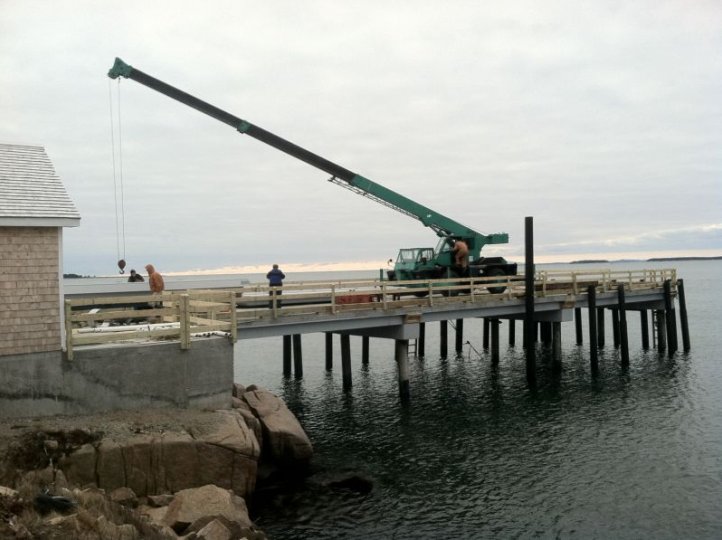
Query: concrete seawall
[[109, 378]]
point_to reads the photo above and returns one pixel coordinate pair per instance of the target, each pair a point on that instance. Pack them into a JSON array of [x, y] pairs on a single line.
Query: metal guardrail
[[182, 315]]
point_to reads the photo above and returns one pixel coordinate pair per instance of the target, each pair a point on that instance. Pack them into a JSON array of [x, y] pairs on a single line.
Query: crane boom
[[445, 227]]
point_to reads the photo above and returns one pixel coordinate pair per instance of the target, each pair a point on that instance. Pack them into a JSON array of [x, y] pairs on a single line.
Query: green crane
[[411, 263]]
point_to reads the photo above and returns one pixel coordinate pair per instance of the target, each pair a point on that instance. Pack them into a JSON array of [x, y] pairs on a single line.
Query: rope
[[120, 158]]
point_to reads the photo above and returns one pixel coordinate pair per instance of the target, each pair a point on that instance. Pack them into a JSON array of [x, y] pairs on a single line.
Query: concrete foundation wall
[[108, 378]]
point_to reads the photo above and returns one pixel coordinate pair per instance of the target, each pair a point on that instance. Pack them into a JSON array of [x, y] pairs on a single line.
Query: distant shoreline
[[654, 259]]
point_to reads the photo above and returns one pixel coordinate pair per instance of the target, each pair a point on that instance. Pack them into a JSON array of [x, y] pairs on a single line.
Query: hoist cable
[[115, 181], [120, 160]]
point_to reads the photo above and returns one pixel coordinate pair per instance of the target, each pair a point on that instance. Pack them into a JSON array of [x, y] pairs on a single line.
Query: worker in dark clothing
[[275, 279], [134, 276]]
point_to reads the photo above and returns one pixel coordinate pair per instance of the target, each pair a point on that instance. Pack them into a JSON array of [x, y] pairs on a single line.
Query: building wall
[[30, 319]]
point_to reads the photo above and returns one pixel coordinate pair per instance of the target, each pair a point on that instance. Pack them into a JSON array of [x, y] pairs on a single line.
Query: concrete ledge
[[109, 378]]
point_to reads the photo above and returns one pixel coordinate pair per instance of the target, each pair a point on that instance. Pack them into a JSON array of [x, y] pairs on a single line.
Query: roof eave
[[39, 222]]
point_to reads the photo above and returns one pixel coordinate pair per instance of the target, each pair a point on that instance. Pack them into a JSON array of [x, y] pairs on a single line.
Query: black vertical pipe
[[512, 332], [661, 330], [329, 351], [556, 346], [644, 322], [364, 350], [495, 340], [297, 357], [578, 325], [421, 343], [459, 336], [615, 326], [622, 311], [592, 305], [529, 298], [346, 361], [600, 326], [443, 338], [485, 336], [287, 356], [670, 317], [683, 315], [536, 331]]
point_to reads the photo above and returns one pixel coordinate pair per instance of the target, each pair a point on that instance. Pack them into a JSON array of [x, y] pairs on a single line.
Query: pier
[[389, 310]]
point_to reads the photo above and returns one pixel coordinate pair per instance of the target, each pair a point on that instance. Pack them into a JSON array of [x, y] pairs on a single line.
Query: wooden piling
[[402, 360], [670, 317], [593, 331], [578, 325], [556, 345], [545, 328], [443, 338], [297, 357], [329, 351], [459, 336], [346, 361], [364, 350], [683, 315], [512, 332], [615, 327], [287, 355], [495, 340], [485, 336], [622, 321], [644, 327], [529, 298], [600, 327], [661, 330], [421, 343]]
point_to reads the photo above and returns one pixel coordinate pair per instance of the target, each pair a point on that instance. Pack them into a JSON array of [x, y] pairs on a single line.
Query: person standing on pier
[[135, 276], [461, 253], [155, 280], [275, 279]]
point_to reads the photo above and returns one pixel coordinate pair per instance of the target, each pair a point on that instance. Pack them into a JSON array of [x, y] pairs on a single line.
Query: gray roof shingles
[[29, 187]]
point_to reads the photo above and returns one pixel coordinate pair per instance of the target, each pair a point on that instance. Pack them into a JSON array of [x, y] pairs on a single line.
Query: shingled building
[[34, 208]]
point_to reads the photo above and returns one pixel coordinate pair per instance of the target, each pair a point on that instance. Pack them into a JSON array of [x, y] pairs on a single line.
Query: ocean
[[633, 453]]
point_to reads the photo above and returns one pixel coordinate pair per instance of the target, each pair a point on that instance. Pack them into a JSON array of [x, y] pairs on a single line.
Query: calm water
[[478, 454]]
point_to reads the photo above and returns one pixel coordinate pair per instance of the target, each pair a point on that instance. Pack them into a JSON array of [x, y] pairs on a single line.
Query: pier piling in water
[[421, 343], [297, 357], [529, 299], [644, 322], [556, 330], [443, 338], [578, 325], [402, 360], [661, 324], [615, 327], [485, 336], [346, 361], [671, 318], [459, 336], [622, 322], [364, 350], [512, 332], [593, 331], [495, 340], [329, 351], [683, 315], [600, 327], [287, 355]]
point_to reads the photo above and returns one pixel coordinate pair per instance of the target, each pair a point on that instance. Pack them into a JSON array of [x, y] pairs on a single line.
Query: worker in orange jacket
[[461, 253], [155, 280]]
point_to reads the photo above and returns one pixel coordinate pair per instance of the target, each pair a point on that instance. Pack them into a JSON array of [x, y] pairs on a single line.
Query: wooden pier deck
[[368, 308]]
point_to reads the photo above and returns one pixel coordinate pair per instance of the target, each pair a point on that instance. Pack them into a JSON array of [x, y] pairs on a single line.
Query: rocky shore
[[146, 474]]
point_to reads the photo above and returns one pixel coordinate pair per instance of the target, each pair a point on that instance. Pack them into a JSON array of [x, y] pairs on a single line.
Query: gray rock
[[190, 505]]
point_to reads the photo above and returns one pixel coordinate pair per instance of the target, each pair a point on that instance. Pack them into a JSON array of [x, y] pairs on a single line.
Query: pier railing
[[176, 316], [143, 317]]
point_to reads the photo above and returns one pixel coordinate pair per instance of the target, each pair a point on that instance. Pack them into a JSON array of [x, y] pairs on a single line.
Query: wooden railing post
[[185, 321], [68, 330], [234, 318]]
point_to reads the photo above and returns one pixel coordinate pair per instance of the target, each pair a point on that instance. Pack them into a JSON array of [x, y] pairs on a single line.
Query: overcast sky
[[602, 120]]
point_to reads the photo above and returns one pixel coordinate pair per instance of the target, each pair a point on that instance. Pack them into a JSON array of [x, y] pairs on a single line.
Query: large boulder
[[190, 505], [283, 435]]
